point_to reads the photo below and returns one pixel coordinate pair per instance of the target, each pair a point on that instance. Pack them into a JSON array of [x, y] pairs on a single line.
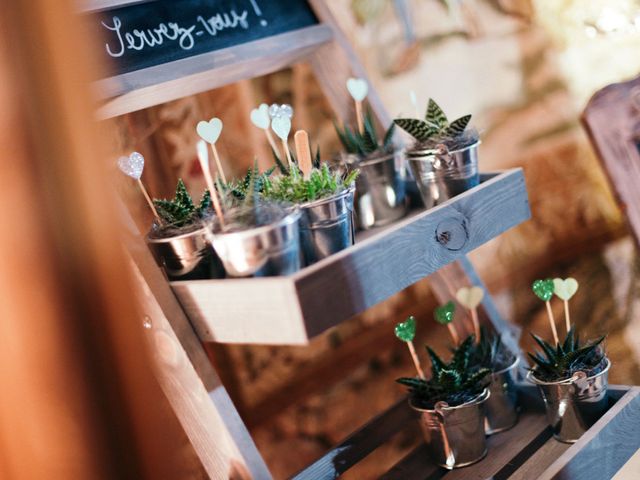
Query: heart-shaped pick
[[444, 313], [358, 88], [543, 289], [565, 289], [260, 116], [406, 330], [281, 126], [132, 166], [470, 297], [210, 131]]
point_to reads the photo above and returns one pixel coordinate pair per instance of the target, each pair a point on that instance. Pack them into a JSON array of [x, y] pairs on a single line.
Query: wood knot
[[452, 234]]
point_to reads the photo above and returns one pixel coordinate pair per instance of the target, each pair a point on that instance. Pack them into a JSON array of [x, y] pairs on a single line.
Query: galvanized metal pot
[[575, 404], [326, 226], [501, 408], [268, 250], [441, 176], [187, 256], [455, 435], [380, 196]]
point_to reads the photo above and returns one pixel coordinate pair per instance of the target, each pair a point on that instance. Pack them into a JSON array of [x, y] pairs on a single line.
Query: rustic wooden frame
[[612, 120], [293, 309]]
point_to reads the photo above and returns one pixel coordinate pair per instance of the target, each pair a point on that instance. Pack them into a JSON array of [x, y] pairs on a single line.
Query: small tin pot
[[575, 404], [326, 226], [455, 435], [501, 408], [187, 256], [267, 250], [380, 196], [443, 175]]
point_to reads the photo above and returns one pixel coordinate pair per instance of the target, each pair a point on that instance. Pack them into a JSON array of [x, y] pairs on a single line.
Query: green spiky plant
[[252, 182], [436, 129], [454, 383], [566, 358], [293, 187], [490, 352], [367, 142], [283, 169], [182, 211]]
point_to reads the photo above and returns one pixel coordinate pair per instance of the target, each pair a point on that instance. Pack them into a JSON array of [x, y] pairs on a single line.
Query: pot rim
[[291, 217], [414, 149], [332, 198], [480, 398], [151, 239], [567, 381], [511, 366], [386, 156]]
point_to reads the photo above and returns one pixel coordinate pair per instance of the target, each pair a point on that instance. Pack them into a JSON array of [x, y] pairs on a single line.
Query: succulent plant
[[293, 187], [455, 382], [566, 358], [181, 211], [435, 128], [253, 182], [366, 142], [490, 352]]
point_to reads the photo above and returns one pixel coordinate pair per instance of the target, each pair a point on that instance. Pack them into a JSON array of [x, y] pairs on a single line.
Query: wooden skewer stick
[[416, 361], [149, 201], [272, 142], [567, 319], [454, 334], [304, 153], [203, 157], [285, 145], [359, 117], [218, 163], [476, 324], [552, 321]]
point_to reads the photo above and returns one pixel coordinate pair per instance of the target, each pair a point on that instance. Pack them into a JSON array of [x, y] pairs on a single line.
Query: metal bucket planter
[[326, 226], [441, 176], [455, 436], [501, 408], [575, 404], [187, 256], [380, 189], [267, 250]]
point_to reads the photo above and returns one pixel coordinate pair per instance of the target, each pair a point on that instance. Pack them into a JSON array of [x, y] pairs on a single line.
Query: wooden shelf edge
[[292, 310]]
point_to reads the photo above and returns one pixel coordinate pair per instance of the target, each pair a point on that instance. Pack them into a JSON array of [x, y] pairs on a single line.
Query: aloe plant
[[293, 187], [566, 358], [455, 383], [366, 142], [252, 182], [490, 352], [181, 211], [436, 128]]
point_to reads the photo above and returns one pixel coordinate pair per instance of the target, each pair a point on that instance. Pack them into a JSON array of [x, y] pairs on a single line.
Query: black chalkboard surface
[[155, 32]]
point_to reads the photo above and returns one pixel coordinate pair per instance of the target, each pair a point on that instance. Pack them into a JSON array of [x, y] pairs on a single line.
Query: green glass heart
[[543, 289], [444, 313], [406, 331]]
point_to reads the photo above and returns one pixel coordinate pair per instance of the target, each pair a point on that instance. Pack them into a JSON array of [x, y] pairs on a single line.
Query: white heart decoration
[[358, 88], [281, 126], [210, 131], [565, 289], [470, 297], [260, 116], [132, 166]]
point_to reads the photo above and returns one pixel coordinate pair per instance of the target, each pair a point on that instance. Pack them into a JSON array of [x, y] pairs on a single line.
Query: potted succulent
[[380, 188], [450, 403], [489, 352], [444, 157], [257, 237], [324, 197], [571, 374], [178, 240]]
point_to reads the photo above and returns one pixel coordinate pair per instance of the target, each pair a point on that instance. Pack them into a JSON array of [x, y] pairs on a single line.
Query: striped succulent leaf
[[418, 129], [457, 127], [435, 115]]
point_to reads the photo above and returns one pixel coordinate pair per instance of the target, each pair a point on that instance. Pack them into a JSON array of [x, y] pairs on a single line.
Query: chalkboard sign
[[150, 33]]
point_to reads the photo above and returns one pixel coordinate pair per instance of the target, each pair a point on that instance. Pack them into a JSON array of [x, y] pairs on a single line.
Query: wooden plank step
[[294, 309]]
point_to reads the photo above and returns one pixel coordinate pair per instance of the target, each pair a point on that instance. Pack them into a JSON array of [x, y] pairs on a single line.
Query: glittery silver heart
[[283, 110], [132, 166]]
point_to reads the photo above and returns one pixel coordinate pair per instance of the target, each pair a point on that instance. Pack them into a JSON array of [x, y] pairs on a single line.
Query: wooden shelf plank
[[160, 84], [293, 309]]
